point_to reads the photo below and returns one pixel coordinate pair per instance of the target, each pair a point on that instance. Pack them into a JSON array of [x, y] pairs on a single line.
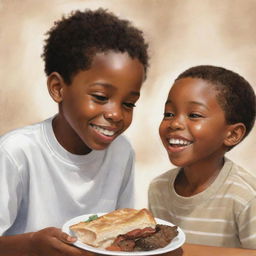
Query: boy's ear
[[235, 134], [55, 84]]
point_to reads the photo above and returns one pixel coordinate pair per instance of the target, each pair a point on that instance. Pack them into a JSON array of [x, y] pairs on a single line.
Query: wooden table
[[202, 250]]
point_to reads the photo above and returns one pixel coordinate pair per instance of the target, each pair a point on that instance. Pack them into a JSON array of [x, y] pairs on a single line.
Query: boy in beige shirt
[[209, 110]]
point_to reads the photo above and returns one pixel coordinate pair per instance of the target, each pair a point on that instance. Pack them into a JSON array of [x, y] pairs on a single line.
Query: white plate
[[177, 242]]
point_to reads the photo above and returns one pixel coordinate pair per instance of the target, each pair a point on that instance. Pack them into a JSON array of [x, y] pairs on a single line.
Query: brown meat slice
[[163, 236], [127, 245], [126, 242]]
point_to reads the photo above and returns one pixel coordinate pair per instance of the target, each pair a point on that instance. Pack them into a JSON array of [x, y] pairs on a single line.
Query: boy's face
[[194, 127], [98, 105]]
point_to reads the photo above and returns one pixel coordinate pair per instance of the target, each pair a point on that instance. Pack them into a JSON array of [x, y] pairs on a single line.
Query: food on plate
[[163, 236], [125, 230], [92, 217]]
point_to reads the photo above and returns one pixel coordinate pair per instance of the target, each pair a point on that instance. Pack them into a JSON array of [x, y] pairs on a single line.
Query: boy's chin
[[176, 162]]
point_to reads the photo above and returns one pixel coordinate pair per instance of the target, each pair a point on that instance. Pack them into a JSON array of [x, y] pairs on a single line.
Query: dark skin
[[49, 241], [189, 124], [196, 136], [93, 110], [101, 97]]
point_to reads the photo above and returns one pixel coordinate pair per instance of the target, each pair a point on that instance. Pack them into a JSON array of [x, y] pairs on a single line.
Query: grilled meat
[[146, 241], [163, 236]]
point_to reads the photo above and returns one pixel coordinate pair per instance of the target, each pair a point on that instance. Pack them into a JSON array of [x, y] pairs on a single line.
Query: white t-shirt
[[42, 184]]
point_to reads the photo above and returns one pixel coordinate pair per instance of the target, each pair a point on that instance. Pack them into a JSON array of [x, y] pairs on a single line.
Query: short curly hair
[[234, 94], [74, 40]]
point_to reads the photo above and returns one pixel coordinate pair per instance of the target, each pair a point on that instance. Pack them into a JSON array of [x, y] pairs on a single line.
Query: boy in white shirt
[[75, 162]]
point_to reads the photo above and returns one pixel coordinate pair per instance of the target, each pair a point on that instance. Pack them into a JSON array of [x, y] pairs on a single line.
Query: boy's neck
[[67, 138], [194, 179]]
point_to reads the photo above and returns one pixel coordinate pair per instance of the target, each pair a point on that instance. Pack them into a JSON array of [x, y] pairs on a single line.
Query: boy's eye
[[168, 115], [195, 115], [99, 97], [129, 105]]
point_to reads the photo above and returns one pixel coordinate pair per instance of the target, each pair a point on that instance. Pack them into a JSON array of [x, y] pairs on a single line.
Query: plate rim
[[65, 228]]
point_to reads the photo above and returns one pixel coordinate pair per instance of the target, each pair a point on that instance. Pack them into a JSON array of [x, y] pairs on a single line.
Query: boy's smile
[[98, 104], [194, 125], [178, 143]]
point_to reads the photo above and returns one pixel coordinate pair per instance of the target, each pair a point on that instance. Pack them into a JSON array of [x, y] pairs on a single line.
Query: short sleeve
[[10, 191], [247, 225]]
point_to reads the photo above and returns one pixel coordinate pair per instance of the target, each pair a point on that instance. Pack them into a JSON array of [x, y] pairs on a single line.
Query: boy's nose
[[114, 114], [176, 124]]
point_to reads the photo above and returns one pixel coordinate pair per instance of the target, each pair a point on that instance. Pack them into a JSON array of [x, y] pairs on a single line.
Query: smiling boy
[[75, 162], [209, 110], [97, 106]]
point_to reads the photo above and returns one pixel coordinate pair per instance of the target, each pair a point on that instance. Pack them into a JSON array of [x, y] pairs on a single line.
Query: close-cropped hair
[[234, 94], [74, 40]]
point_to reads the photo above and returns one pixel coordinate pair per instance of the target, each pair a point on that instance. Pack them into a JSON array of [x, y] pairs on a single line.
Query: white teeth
[[179, 142], [103, 131]]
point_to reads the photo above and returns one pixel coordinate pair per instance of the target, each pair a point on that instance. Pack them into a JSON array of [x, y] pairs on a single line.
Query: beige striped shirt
[[222, 215]]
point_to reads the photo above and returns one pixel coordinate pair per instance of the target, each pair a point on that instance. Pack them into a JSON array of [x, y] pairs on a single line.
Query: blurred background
[[181, 33]]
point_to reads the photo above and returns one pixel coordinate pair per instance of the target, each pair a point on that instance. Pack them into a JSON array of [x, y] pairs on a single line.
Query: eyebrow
[[107, 85]]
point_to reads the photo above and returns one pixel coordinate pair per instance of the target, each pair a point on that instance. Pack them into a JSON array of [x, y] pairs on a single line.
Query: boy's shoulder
[[239, 186], [244, 177], [20, 137]]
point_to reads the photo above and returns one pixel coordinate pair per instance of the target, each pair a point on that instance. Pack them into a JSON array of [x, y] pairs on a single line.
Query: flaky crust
[[102, 231]]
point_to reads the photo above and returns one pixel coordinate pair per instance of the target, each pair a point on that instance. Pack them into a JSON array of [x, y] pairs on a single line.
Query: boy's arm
[[11, 191], [48, 241], [15, 245], [246, 222]]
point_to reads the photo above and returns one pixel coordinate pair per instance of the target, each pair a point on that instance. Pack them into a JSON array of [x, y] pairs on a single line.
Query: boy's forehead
[[190, 89], [114, 58], [112, 70], [196, 85], [114, 62]]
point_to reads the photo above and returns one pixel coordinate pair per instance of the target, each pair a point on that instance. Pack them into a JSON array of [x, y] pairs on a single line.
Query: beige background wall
[[182, 33]]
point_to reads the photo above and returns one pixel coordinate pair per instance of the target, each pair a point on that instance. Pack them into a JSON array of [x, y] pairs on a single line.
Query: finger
[[64, 237], [75, 251], [71, 250]]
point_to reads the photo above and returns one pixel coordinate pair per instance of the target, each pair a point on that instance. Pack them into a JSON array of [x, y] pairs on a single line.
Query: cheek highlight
[[198, 127], [91, 105]]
